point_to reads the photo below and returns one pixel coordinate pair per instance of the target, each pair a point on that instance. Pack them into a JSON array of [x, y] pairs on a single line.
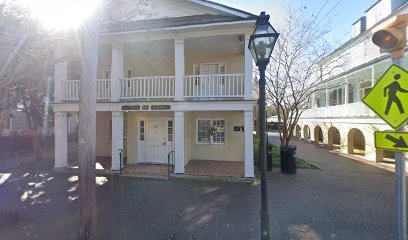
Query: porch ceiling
[[202, 45]]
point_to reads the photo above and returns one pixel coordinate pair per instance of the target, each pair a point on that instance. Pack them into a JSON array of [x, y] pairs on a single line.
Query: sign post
[[389, 100]]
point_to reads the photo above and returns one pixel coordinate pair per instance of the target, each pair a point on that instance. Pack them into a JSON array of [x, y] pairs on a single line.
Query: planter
[[287, 156]]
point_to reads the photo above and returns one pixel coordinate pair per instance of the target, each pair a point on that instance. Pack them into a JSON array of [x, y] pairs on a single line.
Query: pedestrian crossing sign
[[389, 96]]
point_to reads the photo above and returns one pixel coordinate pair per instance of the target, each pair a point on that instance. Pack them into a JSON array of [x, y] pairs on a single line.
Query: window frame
[[211, 142]]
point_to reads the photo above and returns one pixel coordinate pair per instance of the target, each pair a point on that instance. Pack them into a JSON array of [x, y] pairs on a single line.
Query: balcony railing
[[147, 87], [217, 85], [344, 110], [159, 87], [70, 89]]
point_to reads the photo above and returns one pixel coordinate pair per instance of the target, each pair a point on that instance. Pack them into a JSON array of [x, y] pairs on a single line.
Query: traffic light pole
[[401, 202]]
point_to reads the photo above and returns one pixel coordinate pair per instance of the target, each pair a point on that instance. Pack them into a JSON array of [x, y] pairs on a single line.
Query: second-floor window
[[364, 88], [320, 98], [336, 96], [106, 74]]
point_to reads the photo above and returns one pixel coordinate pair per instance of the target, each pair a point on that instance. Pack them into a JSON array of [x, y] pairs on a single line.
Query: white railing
[[103, 89], [71, 89], [216, 85], [147, 87], [344, 110]]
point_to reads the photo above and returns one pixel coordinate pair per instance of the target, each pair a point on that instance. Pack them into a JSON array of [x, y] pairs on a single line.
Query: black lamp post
[[261, 44]]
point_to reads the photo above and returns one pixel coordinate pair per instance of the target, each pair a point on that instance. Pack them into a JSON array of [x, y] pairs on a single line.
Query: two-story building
[[338, 117], [178, 80]]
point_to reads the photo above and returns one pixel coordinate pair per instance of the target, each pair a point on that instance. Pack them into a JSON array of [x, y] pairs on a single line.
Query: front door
[[155, 147]]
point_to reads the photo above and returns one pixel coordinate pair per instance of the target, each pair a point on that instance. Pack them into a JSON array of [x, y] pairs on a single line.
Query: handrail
[[170, 162]]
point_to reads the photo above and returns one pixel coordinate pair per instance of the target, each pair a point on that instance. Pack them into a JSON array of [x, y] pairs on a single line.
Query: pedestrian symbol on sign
[[393, 88]]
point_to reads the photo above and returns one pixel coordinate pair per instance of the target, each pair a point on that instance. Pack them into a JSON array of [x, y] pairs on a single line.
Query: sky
[[344, 12]]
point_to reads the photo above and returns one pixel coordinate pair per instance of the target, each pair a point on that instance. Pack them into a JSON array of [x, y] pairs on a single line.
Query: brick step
[[149, 176]]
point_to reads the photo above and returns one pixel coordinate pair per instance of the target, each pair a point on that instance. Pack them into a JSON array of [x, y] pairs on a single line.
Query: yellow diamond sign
[[389, 96]]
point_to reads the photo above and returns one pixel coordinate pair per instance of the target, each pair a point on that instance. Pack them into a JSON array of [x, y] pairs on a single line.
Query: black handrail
[[170, 162], [121, 165]]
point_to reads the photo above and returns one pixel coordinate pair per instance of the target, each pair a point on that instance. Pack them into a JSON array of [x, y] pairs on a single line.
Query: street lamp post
[[261, 44]]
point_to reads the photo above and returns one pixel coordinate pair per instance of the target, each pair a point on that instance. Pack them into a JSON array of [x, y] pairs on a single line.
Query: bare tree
[[23, 69], [296, 67]]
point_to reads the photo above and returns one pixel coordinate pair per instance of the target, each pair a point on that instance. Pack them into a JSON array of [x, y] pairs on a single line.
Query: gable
[[159, 9]]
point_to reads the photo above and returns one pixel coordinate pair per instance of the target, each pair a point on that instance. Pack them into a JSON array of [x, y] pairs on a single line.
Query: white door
[[155, 146]]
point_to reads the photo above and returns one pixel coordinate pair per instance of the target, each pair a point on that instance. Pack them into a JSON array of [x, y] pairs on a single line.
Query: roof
[[161, 23], [219, 5]]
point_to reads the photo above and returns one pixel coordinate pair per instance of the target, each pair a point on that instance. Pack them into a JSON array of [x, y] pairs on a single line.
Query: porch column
[[179, 69], [249, 143], [248, 70], [116, 71], [60, 71], [179, 141], [61, 139], [117, 139]]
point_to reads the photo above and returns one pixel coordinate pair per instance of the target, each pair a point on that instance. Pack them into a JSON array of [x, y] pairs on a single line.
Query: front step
[[148, 176], [146, 171]]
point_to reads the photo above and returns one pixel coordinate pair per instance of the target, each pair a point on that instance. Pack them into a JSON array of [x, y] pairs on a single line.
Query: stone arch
[[318, 135], [334, 139], [297, 132], [356, 142], [306, 132]]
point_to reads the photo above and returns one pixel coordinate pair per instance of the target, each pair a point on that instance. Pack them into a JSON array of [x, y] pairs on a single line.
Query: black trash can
[[269, 158], [287, 156]]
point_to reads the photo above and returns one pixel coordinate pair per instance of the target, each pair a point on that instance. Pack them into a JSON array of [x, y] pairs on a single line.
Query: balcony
[[196, 87], [344, 110]]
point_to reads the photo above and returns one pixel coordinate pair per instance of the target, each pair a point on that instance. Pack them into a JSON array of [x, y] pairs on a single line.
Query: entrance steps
[[146, 171]]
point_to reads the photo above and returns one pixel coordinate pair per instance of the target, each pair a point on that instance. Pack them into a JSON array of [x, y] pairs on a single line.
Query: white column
[[60, 71], [248, 70], [179, 68], [179, 142], [346, 92], [117, 139], [61, 139], [116, 71], [249, 143]]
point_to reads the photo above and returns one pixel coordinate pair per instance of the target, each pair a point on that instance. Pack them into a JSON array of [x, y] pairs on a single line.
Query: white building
[[338, 118], [163, 82]]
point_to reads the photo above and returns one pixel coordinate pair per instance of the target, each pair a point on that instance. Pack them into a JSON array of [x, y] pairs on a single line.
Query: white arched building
[[338, 118]]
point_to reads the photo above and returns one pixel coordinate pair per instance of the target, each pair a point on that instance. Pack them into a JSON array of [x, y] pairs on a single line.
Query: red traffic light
[[389, 39]]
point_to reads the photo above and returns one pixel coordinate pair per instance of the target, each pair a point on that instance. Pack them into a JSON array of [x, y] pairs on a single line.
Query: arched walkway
[[356, 142], [306, 132], [297, 132], [334, 138], [318, 135]]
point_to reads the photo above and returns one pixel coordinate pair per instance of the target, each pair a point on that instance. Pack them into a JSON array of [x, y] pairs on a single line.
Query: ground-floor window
[[211, 131]]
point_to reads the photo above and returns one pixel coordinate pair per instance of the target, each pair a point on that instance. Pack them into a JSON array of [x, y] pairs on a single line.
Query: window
[[106, 74], [208, 69], [351, 93], [336, 96], [129, 73], [320, 98], [142, 130], [170, 131], [211, 131], [365, 87], [124, 130]]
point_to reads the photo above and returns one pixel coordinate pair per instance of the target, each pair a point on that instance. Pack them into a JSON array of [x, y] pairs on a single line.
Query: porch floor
[[215, 168]]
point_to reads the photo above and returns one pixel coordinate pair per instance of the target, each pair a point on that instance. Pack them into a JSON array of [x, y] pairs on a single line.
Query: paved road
[[345, 199]]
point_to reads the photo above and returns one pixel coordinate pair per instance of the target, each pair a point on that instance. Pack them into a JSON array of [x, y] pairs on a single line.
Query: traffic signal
[[390, 39]]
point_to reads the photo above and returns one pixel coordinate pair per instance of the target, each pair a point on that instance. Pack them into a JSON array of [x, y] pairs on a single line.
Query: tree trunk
[[87, 129], [33, 133]]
